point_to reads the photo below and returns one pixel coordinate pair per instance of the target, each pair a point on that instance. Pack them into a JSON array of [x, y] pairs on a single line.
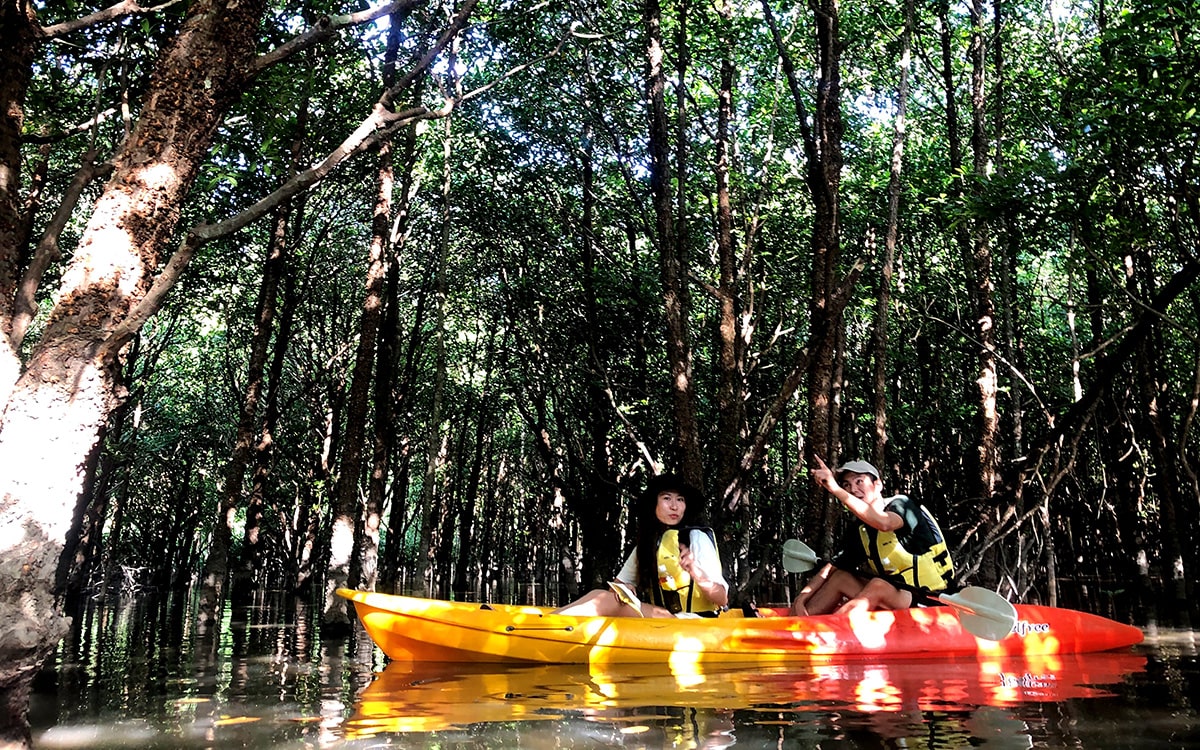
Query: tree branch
[[25, 302], [324, 29], [82, 127], [123, 9], [379, 125], [1078, 415]]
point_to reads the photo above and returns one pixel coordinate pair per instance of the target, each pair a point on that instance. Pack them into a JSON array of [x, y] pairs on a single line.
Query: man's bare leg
[[877, 594], [837, 587], [800, 604]]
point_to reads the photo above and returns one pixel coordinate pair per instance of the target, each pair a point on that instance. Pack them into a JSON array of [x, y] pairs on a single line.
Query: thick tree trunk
[[392, 556], [884, 300], [364, 560], [462, 581], [179, 509], [824, 178], [393, 454], [599, 509], [347, 508], [481, 407], [253, 544], [983, 300], [1009, 265], [1155, 428], [447, 512], [70, 385], [672, 258], [215, 578], [369, 553], [367, 546], [732, 510], [89, 511], [18, 44], [288, 228], [425, 532], [392, 387], [365, 564], [976, 257], [1189, 488], [730, 384], [312, 539], [1176, 523], [823, 163], [490, 522]]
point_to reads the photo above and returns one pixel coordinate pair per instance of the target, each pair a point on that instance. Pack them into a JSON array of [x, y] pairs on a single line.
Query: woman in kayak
[[896, 550], [674, 568]]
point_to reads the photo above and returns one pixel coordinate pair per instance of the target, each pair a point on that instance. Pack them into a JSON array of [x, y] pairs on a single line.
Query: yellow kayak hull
[[431, 630]]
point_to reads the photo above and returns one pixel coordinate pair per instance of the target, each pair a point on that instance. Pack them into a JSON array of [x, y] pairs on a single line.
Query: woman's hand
[[716, 593], [688, 562]]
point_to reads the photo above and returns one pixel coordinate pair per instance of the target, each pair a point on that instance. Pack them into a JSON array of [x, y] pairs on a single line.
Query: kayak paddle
[[983, 613]]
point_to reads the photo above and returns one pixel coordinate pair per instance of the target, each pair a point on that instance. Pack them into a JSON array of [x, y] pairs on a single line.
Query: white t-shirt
[[704, 552]]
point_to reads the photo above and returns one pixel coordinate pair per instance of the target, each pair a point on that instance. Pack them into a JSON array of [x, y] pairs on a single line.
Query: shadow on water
[[136, 674]]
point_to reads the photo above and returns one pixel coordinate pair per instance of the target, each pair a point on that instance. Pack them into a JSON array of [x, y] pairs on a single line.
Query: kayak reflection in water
[[898, 539], [674, 570]]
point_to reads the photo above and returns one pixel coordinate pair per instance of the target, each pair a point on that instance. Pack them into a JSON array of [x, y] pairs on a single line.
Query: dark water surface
[[131, 677]]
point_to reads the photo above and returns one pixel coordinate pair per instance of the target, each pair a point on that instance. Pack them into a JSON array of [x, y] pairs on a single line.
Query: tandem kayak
[[423, 630]]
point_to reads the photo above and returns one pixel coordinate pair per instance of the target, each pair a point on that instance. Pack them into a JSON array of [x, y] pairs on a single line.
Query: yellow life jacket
[[886, 556], [676, 591]]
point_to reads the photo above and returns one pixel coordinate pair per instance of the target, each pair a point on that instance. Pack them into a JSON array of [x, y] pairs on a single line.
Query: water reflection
[[138, 676], [438, 697]]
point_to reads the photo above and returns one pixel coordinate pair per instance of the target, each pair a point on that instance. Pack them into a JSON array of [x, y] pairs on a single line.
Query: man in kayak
[[896, 550], [673, 570]]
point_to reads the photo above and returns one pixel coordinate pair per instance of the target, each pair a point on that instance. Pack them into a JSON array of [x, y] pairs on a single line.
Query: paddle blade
[[983, 613], [798, 557]]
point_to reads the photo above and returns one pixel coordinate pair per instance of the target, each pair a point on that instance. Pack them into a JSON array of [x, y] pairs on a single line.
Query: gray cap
[[858, 467]]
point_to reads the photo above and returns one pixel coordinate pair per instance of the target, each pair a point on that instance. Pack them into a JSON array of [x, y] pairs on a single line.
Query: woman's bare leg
[[599, 603]]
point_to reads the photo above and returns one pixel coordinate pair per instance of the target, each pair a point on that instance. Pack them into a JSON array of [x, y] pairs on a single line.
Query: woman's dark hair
[[650, 529]]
